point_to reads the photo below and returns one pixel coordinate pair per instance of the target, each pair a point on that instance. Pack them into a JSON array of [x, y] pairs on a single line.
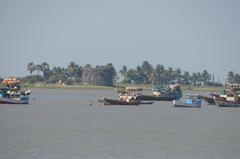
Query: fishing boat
[[231, 97], [8, 97], [107, 101], [190, 101], [12, 94], [222, 102]]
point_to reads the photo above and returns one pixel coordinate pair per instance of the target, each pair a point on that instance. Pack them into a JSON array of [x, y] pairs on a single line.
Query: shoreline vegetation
[[105, 77], [146, 87]]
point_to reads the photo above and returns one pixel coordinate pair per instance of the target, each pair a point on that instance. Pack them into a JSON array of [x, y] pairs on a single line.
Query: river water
[[60, 124]]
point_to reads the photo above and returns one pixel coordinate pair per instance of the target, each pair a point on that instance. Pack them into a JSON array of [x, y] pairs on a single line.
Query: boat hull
[[187, 105], [181, 104], [4, 100], [224, 103]]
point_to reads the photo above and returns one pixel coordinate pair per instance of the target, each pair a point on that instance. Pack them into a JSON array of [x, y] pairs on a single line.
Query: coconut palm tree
[[230, 76], [237, 78], [38, 68], [72, 70], [123, 71], [186, 77], [194, 78], [141, 76], [45, 69], [169, 74], [31, 67], [148, 71], [205, 76], [132, 76], [160, 74], [177, 74]]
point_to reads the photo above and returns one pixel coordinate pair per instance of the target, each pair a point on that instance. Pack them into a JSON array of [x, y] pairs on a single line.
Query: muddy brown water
[[60, 124]]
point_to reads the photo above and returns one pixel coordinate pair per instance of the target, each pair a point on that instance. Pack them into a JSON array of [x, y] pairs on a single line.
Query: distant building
[[89, 76]]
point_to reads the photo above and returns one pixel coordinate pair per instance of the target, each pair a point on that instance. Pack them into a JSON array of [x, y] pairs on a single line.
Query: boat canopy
[[12, 81]]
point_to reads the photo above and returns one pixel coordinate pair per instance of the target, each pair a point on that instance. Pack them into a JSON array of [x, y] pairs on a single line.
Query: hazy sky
[[190, 34]]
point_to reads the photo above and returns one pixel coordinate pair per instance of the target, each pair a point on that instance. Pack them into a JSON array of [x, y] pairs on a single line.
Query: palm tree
[[31, 67], [205, 76], [141, 76], [237, 78], [230, 77], [38, 68], [160, 74], [177, 74], [199, 77], [186, 77], [169, 74], [123, 71], [106, 74], [132, 76], [194, 78], [45, 69], [148, 71], [59, 74], [72, 70]]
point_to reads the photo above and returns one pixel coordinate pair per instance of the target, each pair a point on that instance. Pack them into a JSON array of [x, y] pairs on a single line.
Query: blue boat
[[189, 100]]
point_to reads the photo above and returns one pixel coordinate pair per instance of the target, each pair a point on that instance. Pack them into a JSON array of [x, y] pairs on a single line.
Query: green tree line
[[233, 77], [71, 74], [145, 73]]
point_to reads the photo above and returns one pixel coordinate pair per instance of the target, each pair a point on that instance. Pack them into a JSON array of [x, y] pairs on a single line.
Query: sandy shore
[[187, 89]]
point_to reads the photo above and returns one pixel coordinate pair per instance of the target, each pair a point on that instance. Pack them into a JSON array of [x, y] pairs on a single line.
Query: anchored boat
[[8, 97], [222, 102], [232, 97], [190, 100], [107, 101], [11, 94]]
